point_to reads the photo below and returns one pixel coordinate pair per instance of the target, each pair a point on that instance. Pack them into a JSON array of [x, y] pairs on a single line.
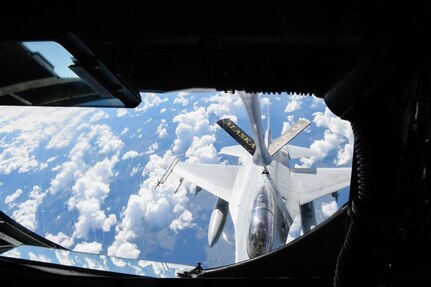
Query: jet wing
[[312, 183], [215, 178]]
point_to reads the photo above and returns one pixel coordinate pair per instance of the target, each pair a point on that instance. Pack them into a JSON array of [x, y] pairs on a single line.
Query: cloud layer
[[101, 168]]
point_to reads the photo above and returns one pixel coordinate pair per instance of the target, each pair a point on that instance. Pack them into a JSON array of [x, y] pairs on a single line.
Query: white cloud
[[152, 148], [10, 198], [107, 141], [328, 208], [181, 98], [124, 131], [225, 105], [150, 213], [295, 230], [39, 257], [337, 136], [150, 100], [70, 170], [43, 165], [121, 113], [183, 221], [61, 239], [190, 124], [88, 247], [89, 191], [123, 249], [130, 154], [26, 212], [294, 103], [111, 220], [161, 129], [317, 102], [345, 154], [135, 170], [292, 106], [64, 257], [202, 150], [17, 158], [55, 128], [66, 130]]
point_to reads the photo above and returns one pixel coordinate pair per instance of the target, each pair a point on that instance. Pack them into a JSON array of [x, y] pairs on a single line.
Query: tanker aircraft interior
[[369, 61]]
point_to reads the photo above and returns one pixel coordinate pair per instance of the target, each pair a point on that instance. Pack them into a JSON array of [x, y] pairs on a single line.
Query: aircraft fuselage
[[260, 224]]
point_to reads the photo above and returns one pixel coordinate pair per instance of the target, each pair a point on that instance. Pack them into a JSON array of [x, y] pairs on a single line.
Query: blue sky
[[85, 177]]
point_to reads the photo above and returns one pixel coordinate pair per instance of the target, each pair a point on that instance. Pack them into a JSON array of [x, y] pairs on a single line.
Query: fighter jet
[[262, 194]]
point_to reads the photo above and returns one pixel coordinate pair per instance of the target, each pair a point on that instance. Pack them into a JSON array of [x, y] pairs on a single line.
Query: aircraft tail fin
[[238, 134], [281, 141]]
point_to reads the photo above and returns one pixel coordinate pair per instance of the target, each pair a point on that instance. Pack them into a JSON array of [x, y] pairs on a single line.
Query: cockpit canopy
[[261, 229]]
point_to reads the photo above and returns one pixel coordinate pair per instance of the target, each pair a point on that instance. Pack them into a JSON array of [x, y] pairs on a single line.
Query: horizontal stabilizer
[[234, 150], [292, 132], [312, 183], [215, 178], [238, 134], [298, 152]]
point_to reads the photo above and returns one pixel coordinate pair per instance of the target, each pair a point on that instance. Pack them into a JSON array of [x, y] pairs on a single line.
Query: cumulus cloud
[[150, 100], [26, 212], [121, 113], [292, 106], [123, 249], [338, 135], [70, 170], [88, 193], [328, 208], [182, 222], [161, 129], [30, 129], [122, 245], [152, 218], [225, 105], [345, 154], [66, 130], [190, 124], [88, 247], [294, 103], [61, 239], [108, 142], [39, 257], [77, 130], [130, 154], [182, 99], [10, 198], [152, 148], [202, 150], [152, 214]]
